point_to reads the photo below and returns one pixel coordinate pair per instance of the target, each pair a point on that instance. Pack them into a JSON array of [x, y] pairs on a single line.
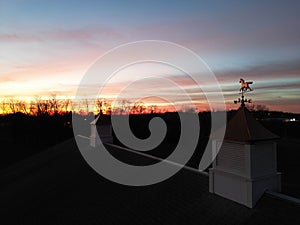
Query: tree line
[[53, 105]]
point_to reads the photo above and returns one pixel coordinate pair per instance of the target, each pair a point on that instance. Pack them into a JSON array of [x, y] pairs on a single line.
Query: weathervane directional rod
[[244, 88]]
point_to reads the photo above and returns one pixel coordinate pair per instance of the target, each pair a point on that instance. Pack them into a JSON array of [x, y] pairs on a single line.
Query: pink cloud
[[63, 35]]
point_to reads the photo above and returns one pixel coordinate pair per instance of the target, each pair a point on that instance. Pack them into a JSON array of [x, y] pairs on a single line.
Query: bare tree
[[254, 107], [125, 106], [103, 105], [37, 107], [21, 106], [42, 106], [138, 107], [33, 108], [152, 108], [12, 105], [81, 106], [3, 107], [53, 104], [99, 105], [65, 105]]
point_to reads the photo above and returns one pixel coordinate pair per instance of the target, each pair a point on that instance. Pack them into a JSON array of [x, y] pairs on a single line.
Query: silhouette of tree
[[32, 108], [3, 107], [254, 107], [42, 106], [12, 105], [103, 105], [99, 105], [22, 107], [122, 107], [53, 104], [66, 104], [152, 109]]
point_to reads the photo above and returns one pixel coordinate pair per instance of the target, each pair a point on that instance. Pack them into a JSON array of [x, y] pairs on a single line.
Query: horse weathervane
[[244, 88]]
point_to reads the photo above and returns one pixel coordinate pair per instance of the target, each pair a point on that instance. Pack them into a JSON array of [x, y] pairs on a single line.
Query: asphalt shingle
[[66, 190]]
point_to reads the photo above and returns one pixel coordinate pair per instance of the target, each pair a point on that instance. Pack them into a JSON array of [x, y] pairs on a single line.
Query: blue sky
[[46, 46]]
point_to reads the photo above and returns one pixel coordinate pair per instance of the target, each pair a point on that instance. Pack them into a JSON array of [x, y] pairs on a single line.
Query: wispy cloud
[[44, 50], [63, 34]]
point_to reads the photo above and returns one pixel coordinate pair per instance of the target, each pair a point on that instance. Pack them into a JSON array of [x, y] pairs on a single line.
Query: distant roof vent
[[101, 131]]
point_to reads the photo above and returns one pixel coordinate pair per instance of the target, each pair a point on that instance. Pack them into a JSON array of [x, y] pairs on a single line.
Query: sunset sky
[[46, 46]]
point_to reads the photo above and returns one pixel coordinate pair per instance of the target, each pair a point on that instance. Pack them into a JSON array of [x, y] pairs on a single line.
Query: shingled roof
[[60, 188], [244, 128]]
